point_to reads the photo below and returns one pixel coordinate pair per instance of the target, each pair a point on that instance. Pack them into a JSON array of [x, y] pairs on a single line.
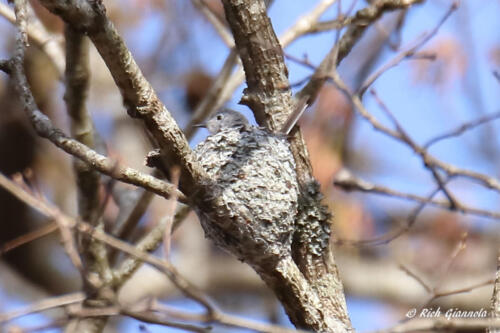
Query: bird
[[253, 186], [226, 119]]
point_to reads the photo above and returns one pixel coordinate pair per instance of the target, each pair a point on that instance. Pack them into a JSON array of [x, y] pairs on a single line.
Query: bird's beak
[[203, 125]]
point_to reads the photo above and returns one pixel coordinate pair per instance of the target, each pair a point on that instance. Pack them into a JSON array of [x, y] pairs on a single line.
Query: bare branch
[[216, 21], [308, 283], [357, 26], [138, 95], [416, 277], [429, 160], [131, 210], [349, 182], [406, 138], [410, 51], [17, 64], [462, 128], [212, 99], [50, 211], [39, 36], [268, 93], [157, 313], [43, 305], [212, 314], [466, 289], [29, 237], [77, 76], [305, 23], [291, 34], [44, 127]]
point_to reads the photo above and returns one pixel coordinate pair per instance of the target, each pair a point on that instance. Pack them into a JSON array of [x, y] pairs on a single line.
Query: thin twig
[[216, 21], [154, 318], [416, 277], [409, 52], [132, 205], [305, 23], [213, 99], [53, 212], [43, 305], [170, 215], [449, 169], [349, 182], [40, 37], [358, 24], [445, 269], [422, 153], [221, 318], [462, 128], [462, 290], [28, 237]]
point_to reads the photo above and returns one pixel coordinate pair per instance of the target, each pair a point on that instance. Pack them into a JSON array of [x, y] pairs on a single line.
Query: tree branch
[[348, 182], [358, 24], [45, 129], [308, 286], [139, 97]]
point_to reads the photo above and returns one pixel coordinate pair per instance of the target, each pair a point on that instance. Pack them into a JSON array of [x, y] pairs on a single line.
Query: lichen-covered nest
[[254, 192]]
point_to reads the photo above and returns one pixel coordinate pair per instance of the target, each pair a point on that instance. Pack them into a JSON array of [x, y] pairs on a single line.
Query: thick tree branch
[[299, 28], [44, 127], [139, 97], [268, 93], [310, 281]]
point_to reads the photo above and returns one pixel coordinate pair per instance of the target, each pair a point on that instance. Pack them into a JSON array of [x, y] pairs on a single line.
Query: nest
[[253, 193]]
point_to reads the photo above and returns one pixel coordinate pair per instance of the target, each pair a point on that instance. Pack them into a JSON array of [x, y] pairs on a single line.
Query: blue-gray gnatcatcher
[[225, 119]]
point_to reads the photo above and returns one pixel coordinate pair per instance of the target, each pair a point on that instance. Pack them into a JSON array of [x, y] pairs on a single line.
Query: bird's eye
[[219, 117]]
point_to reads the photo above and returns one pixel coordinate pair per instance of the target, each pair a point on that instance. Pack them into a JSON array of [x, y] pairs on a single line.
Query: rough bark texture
[[268, 93], [309, 286], [139, 97]]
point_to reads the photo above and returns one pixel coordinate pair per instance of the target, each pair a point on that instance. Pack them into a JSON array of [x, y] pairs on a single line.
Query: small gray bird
[[225, 119]]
